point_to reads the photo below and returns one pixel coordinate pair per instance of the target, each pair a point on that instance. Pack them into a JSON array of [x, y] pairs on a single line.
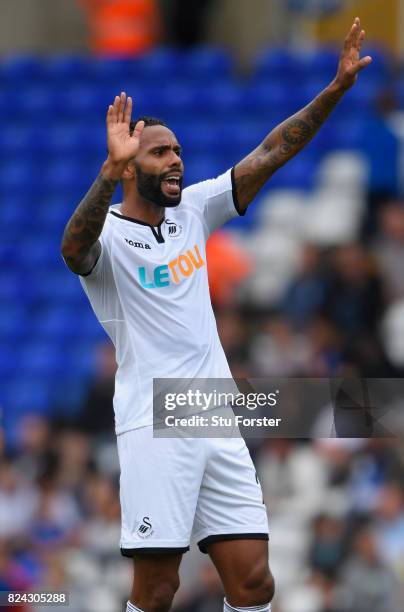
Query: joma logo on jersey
[[175, 271], [139, 245]]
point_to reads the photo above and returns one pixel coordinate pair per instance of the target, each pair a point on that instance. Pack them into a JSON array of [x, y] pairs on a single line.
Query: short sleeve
[[215, 199]]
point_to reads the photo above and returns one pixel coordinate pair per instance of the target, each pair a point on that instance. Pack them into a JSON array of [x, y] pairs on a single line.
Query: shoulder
[[210, 187]]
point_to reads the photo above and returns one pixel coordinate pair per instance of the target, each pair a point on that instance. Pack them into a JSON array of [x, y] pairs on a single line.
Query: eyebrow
[[165, 147]]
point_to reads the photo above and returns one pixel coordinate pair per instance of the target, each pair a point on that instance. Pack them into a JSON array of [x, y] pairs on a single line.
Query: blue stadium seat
[[18, 69], [82, 101], [381, 65], [69, 68], [56, 286], [82, 357], [25, 395], [68, 394], [276, 63], [8, 356], [269, 99], [33, 101], [206, 64], [198, 137], [299, 173], [114, 68], [17, 178], [13, 318], [320, 63], [67, 177], [160, 64], [53, 214], [55, 323], [68, 143], [200, 168], [19, 141], [43, 358], [14, 288], [221, 100], [177, 99], [40, 254], [15, 215]]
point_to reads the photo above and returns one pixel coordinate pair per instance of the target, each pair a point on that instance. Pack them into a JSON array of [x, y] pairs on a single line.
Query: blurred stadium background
[[314, 280]]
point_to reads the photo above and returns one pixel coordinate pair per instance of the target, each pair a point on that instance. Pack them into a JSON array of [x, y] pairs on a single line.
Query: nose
[[175, 160]]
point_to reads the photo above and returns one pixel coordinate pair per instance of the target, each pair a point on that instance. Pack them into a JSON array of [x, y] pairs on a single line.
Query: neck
[[136, 207]]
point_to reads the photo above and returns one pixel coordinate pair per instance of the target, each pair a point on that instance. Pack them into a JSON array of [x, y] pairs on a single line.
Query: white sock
[[130, 607], [262, 608]]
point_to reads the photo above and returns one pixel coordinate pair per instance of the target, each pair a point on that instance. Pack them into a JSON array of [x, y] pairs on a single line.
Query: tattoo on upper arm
[[85, 226]]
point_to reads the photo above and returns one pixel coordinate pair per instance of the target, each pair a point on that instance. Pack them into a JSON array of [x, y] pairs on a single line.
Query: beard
[[149, 187]]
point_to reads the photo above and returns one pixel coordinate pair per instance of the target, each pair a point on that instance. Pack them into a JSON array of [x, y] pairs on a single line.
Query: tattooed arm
[[292, 135], [80, 245]]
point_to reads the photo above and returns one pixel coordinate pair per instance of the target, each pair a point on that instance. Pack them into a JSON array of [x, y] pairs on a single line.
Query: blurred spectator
[[389, 248], [228, 266], [186, 20], [305, 295], [18, 501], [57, 516], [121, 27], [101, 534], [34, 437], [293, 478], [277, 350], [325, 356], [328, 546], [233, 335], [209, 597], [390, 527], [97, 413], [354, 299], [12, 576], [367, 583], [381, 145]]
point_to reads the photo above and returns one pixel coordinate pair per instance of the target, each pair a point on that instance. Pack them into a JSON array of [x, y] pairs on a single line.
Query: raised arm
[[80, 245], [292, 135]]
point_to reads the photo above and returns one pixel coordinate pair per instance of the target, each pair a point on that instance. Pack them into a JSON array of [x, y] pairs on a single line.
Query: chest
[[159, 258]]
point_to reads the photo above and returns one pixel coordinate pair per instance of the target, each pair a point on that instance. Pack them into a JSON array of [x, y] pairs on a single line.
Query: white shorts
[[177, 490]]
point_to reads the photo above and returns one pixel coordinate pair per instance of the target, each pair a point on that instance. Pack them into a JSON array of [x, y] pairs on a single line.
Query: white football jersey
[[149, 290]]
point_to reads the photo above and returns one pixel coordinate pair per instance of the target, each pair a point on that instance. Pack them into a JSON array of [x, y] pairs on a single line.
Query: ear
[[129, 172]]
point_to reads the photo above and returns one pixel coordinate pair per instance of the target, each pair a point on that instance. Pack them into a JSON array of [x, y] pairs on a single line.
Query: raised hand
[[122, 146], [350, 63]]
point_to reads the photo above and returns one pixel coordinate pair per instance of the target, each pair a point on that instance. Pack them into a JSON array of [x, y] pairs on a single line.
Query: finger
[[139, 127], [111, 115], [350, 37], [122, 101], [363, 63], [128, 111], [360, 40], [116, 108]]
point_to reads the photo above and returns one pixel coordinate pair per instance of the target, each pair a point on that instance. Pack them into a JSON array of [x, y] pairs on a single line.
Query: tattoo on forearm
[[85, 226], [296, 132], [282, 144]]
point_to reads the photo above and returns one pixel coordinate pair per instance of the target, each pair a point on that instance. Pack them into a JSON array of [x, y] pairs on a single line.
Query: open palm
[[350, 63], [122, 146]]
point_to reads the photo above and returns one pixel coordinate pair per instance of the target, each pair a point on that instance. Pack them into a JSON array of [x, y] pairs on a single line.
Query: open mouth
[[171, 184]]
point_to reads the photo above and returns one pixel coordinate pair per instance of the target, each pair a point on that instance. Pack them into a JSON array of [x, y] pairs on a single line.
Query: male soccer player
[[142, 265]]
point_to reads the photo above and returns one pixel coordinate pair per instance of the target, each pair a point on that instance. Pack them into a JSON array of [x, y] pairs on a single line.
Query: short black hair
[[148, 122]]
